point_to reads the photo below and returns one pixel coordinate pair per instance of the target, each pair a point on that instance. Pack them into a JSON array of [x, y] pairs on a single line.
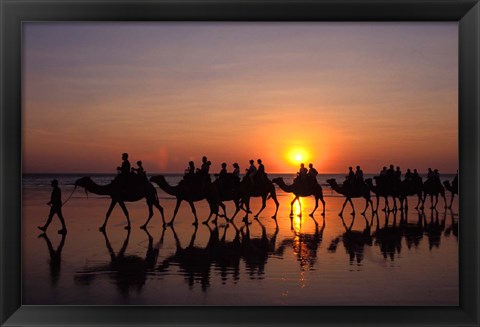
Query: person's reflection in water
[[55, 261]]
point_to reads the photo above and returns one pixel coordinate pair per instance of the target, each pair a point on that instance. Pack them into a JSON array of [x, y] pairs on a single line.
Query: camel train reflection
[[388, 235], [128, 272]]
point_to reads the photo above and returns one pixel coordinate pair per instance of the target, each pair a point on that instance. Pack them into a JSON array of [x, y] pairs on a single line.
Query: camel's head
[[276, 180], [331, 181], [83, 182], [368, 181], [157, 178], [446, 183]]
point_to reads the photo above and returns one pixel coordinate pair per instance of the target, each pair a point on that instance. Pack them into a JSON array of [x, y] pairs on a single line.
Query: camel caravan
[[131, 184]]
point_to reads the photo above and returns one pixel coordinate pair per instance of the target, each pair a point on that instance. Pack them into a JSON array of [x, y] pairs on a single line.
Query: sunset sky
[[334, 94]]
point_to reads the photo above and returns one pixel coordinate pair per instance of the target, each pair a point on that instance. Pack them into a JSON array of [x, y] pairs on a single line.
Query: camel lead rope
[[70, 195]]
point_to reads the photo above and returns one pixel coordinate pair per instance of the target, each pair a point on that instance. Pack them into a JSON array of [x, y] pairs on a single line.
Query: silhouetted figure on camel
[[262, 187], [137, 189], [302, 189], [452, 188], [361, 191], [140, 171], [433, 187], [412, 185]]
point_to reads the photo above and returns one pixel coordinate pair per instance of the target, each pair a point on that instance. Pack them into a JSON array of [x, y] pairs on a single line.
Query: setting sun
[[298, 155]]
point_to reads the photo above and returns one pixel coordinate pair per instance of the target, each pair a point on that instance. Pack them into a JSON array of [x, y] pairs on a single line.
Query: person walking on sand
[[55, 208]]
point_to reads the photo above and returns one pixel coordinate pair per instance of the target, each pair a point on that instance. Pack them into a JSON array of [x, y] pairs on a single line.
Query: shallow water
[[384, 259]]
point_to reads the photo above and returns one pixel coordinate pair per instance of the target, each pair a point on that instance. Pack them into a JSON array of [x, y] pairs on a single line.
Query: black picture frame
[[14, 12]]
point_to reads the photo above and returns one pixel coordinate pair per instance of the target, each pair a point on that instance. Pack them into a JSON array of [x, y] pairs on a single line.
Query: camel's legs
[[125, 211], [351, 203], [445, 199], [264, 204], [316, 206], [436, 201], [451, 201], [378, 202], [224, 213], [343, 207], [366, 205], [419, 200], [387, 205], [406, 202], [194, 211], [394, 203], [237, 209], [208, 219], [160, 208], [175, 211], [274, 197], [323, 203], [291, 205], [150, 215], [109, 212], [246, 202]]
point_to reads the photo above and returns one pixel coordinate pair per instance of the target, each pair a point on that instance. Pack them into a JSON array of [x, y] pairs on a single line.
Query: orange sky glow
[[334, 94]]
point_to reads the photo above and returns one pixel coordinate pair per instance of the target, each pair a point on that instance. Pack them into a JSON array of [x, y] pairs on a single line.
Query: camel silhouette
[[352, 192], [190, 192], [453, 189], [136, 190], [227, 189], [380, 191], [263, 188], [433, 187], [412, 187], [302, 190]]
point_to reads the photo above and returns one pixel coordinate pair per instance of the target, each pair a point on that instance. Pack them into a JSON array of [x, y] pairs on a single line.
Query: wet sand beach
[[406, 258]]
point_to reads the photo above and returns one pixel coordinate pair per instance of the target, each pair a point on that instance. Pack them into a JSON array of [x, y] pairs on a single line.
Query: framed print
[[239, 163]]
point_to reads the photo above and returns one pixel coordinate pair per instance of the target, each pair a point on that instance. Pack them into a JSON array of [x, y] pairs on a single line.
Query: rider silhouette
[[261, 169], [140, 171], [251, 171], [124, 169], [358, 175], [302, 173]]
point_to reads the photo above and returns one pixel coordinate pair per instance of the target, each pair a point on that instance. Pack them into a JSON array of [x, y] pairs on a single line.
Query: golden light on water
[[297, 215]]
